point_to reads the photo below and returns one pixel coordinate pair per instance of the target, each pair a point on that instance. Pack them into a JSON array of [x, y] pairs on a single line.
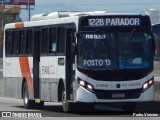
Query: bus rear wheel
[[27, 102]]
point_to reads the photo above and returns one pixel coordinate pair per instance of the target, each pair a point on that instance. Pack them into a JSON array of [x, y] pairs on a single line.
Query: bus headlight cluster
[[85, 84], [147, 84]]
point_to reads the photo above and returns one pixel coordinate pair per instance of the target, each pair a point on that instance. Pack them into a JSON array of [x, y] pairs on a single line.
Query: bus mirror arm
[[77, 34]]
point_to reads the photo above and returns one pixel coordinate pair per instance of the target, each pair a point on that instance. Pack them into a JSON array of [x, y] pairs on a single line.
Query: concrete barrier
[[157, 90], [157, 79], [157, 68], [1, 77]]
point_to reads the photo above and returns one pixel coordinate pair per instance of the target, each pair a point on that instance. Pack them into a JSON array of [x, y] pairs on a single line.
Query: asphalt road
[[54, 110]]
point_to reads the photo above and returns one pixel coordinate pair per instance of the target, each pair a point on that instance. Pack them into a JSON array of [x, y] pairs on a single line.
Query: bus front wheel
[[129, 107]]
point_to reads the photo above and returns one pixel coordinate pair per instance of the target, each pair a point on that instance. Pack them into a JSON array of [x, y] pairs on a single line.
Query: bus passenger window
[[52, 40], [29, 42], [22, 42], [8, 43], [61, 41], [44, 42], [15, 42]]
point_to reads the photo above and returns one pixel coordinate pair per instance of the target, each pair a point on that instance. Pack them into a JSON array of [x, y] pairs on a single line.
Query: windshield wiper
[[129, 39]]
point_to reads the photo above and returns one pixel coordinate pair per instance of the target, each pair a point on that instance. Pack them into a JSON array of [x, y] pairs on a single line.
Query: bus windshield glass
[[135, 53], [112, 51], [97, 51]]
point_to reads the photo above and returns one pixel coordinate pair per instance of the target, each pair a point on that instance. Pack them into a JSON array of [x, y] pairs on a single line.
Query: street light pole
[[3, 13], [29, 10]]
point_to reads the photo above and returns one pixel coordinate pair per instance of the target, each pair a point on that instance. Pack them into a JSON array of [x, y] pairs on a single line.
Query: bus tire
[[27, 102], [129, 107]]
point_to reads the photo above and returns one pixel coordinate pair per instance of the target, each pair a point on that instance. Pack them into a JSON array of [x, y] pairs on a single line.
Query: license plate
[[118, 95]]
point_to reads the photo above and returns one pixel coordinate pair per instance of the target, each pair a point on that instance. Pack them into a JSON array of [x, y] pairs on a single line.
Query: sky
[[125, 6]]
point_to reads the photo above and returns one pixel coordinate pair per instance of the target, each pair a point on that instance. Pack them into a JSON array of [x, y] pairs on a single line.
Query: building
[[154, 15]]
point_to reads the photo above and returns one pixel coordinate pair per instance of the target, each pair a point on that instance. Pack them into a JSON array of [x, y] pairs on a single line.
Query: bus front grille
[[118, 94]]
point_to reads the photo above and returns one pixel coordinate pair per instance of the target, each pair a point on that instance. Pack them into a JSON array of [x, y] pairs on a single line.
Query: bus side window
[[61, 41], [22, 42], [15, 43], [29, 42], [52, 40], [44, 42], [8, 43]]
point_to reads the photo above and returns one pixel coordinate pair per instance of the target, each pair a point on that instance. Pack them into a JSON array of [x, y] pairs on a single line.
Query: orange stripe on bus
[[19, 25], [24, 65]]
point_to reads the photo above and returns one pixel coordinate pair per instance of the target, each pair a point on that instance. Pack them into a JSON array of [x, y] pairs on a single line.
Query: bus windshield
[[111, 51], [137, 52], [97, 51]]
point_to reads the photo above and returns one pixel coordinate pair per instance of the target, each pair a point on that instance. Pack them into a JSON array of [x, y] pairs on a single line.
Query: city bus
[[80, 59]]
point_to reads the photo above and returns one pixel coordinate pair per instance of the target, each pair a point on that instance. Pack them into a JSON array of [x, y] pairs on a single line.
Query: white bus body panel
[[50, 74], [13, 77]]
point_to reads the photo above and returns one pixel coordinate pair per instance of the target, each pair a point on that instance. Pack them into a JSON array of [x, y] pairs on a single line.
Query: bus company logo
[[102, 85], [105, 85], [48, 69]]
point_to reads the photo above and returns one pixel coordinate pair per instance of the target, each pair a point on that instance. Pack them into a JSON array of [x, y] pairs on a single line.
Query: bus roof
[[61, 17]]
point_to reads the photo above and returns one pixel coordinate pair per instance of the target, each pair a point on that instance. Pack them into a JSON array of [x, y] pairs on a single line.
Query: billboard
[[17, 2], [22, 2], [6, 1]]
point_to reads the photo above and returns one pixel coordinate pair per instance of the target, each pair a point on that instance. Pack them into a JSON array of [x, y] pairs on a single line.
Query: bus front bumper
[[86, 96]]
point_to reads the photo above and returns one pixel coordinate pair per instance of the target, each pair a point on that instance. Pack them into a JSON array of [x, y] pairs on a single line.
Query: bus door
[[70, 62], [36, 60]]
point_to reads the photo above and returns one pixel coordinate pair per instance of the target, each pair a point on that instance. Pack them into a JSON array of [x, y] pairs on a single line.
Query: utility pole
[[29, 10], [3, 14]]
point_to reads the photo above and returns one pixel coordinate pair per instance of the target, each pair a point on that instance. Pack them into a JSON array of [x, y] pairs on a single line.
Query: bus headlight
[[150, 82], [81, 82], [89, 87], [85, 84], [147, 84]]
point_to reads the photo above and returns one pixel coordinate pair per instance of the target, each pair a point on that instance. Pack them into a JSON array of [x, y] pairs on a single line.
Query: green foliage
[[8, 20]]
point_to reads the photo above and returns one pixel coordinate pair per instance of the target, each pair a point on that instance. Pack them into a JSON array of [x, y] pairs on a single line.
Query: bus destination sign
[[95, 22]]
